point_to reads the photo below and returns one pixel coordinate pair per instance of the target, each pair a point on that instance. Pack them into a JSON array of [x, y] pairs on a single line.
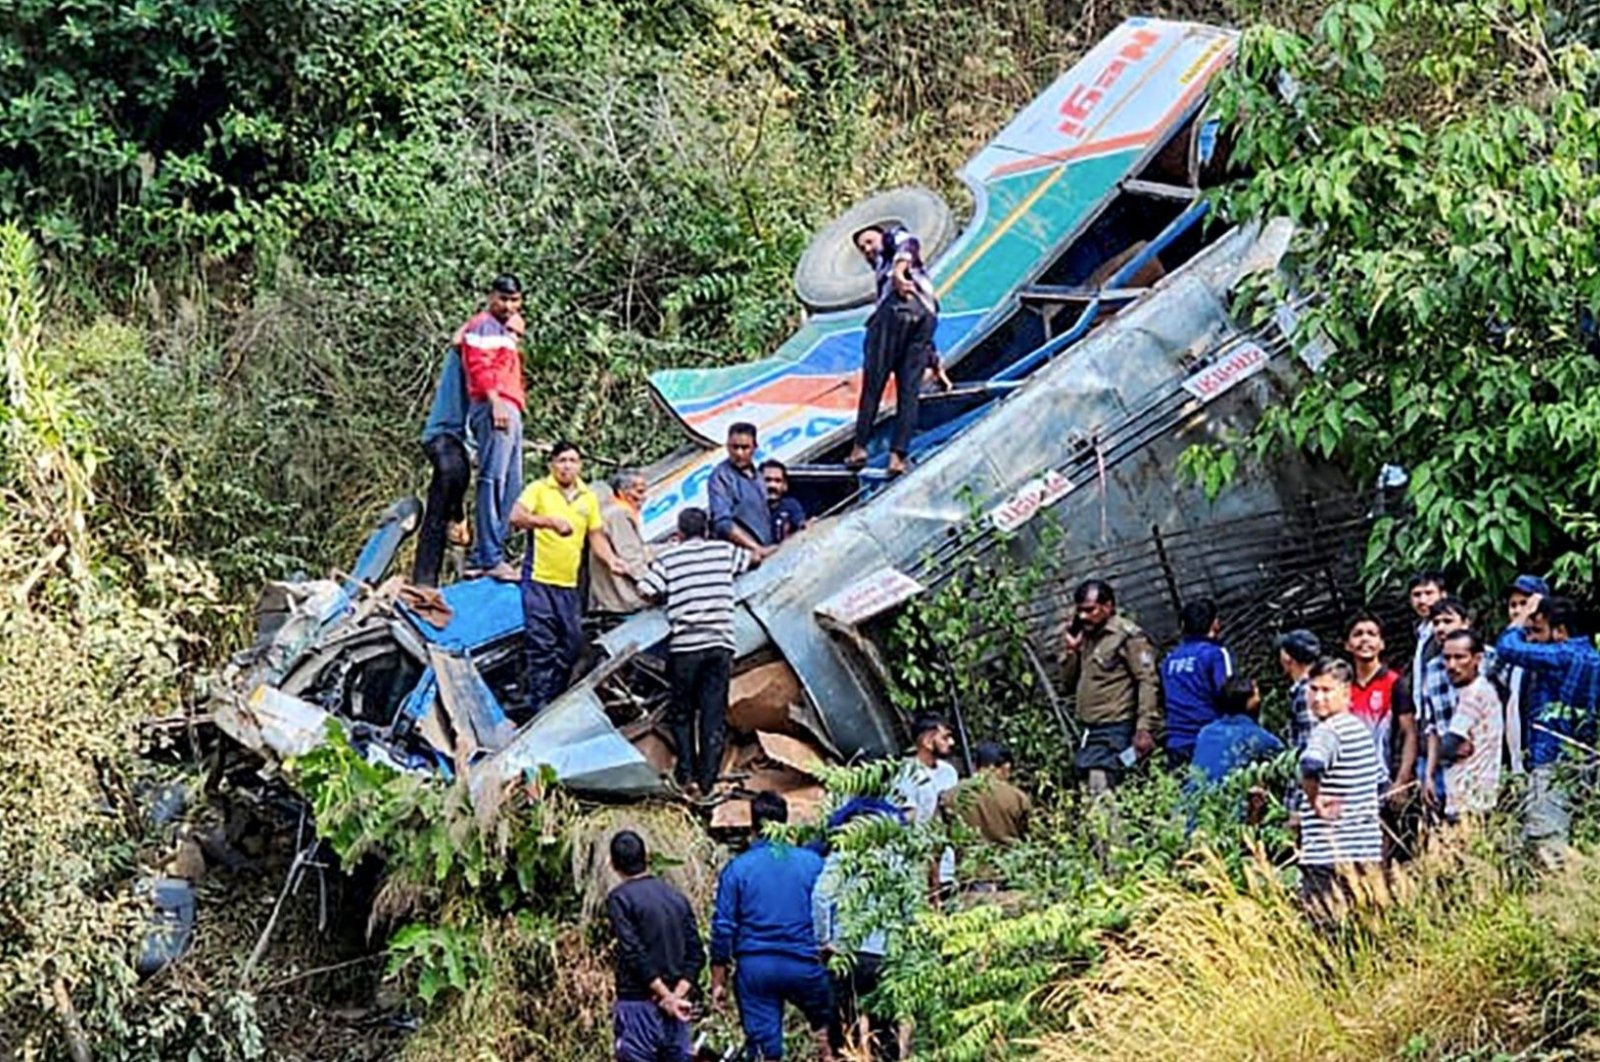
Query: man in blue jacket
[[762, 925], [1192, 677]]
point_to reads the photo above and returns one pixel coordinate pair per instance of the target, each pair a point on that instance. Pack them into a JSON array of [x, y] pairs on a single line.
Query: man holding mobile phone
[[1111, 665]]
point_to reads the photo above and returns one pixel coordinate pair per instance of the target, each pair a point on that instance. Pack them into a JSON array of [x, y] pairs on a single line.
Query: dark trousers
[[1401, 826], [552, 635], [446, 491], [642, 1033], [899, 337], [848, 992], [699, 696], [1329, 893]]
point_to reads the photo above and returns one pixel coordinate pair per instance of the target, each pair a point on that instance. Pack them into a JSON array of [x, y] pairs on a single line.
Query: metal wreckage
[[1086, 324]]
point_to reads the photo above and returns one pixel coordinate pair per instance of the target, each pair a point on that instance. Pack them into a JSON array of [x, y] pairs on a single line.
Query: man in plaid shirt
[[1297, 651], [1566, 688], [1436, 698]]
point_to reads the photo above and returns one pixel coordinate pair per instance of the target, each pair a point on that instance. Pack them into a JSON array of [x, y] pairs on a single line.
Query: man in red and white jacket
[[491, 357]]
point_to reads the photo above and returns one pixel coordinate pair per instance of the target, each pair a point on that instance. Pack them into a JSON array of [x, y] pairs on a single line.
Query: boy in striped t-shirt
[[694, 580], [1340, 836]]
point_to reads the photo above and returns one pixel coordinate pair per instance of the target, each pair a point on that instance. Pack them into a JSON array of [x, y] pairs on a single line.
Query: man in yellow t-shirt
[[562, 515]]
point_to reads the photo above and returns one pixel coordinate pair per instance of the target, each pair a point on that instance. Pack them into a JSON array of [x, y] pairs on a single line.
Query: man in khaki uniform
[[988, 802], [1111, 665]]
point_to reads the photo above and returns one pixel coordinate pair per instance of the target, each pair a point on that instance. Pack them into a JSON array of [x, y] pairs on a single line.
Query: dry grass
[[548, 996], [1459, 961], [680, 852]]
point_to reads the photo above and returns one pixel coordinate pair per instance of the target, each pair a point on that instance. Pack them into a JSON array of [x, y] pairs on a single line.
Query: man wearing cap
[[491, 358], [563, 515], [1563, 695], [1515, 679]]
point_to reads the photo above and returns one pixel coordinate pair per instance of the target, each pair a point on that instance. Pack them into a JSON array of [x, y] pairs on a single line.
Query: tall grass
[[1466, 958]]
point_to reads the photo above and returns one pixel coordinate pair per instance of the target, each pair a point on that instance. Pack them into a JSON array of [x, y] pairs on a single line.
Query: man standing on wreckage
[[899, 338]]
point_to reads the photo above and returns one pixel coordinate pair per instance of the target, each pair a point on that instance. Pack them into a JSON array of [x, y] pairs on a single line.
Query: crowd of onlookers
[[1385, 758], [1385, 755]]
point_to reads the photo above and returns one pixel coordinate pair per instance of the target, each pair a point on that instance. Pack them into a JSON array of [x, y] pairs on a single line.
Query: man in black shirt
[[658, 959]]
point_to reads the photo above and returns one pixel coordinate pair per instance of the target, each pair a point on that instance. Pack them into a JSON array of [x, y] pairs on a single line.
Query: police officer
[[1112, 666]]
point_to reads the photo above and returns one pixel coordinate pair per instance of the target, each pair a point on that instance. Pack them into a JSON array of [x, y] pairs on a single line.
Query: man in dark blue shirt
[[898, 340], [1191, 679], [736, 499], [1235, 738], [788, 515], [763, 926], [658, 959]]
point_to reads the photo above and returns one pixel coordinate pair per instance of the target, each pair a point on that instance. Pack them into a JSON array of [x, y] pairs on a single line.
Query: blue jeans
[[644, 1034], [499, 482]]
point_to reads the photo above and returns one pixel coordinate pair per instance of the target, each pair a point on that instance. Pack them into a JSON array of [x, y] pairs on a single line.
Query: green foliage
[[975, 979], [1211, 467], [445, 958], [437, 858], [1436, 157], [878, 867], [967, 645], [1463, 958], [83, 659]]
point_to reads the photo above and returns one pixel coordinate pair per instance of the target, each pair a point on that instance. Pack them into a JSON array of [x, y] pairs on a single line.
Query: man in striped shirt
[[694, 580], [1341, 840]]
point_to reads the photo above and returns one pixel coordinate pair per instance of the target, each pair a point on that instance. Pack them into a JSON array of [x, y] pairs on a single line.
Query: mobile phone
[[1128, 756], [1075, 628]]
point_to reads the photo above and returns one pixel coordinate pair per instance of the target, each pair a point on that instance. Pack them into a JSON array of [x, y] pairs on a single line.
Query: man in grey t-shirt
[[926, 777]]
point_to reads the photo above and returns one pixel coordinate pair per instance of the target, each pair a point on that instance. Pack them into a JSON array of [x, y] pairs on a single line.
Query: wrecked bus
[[1085, 323]]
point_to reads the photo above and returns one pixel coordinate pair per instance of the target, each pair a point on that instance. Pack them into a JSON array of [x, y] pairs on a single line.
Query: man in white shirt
[[927, 776], [1471, 745]]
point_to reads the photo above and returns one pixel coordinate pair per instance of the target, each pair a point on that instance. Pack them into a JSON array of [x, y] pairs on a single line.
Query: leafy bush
[[1435, 157], [82, 661]]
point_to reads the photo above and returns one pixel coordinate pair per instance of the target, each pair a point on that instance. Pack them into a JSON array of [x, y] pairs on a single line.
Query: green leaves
[[1451, 255], [440, 958], [457, 875]]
